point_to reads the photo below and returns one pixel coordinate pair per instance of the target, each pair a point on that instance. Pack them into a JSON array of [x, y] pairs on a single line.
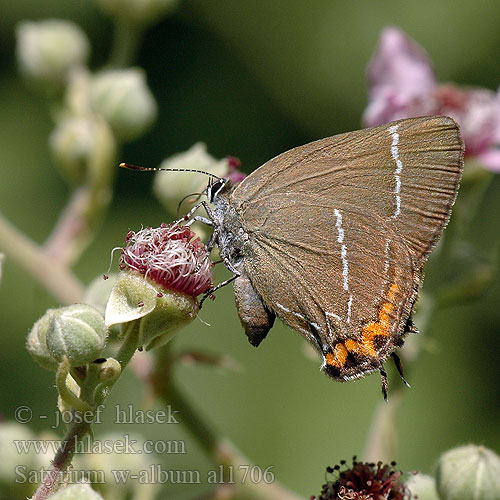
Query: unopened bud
[[79, 491], [123, 98], [109, 369], [83, 147], [12, 460], [48, 50], [36, 343], [469, 472], [76, 332], [422, 487], [170, 187]]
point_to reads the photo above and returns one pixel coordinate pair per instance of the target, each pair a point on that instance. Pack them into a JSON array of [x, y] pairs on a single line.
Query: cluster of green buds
[[95, 112]]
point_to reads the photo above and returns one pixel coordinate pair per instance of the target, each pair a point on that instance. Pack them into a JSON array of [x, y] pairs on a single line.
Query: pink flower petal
[[490, 159], [398, 73]]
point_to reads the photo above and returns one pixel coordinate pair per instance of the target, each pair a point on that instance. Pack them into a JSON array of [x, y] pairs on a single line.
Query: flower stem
[[66, 394], [126, 41], [124, 355], [64, 455], [55, 277]]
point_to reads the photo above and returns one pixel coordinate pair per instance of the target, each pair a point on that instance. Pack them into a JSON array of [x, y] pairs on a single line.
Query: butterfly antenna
[[160, 169]]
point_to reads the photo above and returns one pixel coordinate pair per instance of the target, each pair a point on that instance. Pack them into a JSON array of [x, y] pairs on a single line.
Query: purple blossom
[[403, 85]]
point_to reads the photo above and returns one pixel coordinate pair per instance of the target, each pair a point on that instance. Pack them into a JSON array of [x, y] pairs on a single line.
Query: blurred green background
[[253, 79]]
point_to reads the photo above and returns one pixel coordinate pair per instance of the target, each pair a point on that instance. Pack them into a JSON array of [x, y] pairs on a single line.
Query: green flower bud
[[139, 11], [76, 491], [123, 98], [83, 145], [13, 464], [48, 50], [36, 342], [77, 332], [469, 473], [422, 487], [170, 187]]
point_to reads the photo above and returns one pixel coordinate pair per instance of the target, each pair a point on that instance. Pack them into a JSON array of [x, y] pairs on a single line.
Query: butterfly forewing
[[406, 172], [338, 231]]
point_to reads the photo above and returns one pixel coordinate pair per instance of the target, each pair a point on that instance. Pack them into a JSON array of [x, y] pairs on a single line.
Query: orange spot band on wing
[[366, 345], [338, 357], [381, 327]]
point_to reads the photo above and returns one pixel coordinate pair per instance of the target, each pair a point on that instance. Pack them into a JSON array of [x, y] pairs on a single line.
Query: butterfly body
[[332, 237]]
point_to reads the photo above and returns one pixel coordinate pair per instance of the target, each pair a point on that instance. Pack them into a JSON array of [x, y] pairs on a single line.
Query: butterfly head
[[218, 186]]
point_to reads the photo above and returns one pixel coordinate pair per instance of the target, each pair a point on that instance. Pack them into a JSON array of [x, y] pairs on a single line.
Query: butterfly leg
[[385, 385], [255, 318], [201, 219], [220, 285], [399, 367], [188, 216]]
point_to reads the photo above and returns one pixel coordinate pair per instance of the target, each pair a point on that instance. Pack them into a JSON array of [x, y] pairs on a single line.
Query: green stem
[[124, 355], [66, 394], [126, 40], [55, 277]]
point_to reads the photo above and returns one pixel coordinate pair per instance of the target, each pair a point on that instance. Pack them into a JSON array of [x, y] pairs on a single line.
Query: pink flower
[[403, 85], [170, 255]]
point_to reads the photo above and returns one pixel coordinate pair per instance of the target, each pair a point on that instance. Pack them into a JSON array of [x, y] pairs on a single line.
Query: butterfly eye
[[213, 189]]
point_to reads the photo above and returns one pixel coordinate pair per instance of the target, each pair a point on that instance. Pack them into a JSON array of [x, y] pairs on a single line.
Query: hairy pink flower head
[[403, 85], [170, 255], [364, 481]]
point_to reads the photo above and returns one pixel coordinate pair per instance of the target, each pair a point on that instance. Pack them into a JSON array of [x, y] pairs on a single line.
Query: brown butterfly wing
[[371, 203], [329, 274], [407, 172]]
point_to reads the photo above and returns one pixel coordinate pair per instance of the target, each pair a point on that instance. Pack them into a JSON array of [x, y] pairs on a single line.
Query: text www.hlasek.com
[[106, 446], [155, 474]]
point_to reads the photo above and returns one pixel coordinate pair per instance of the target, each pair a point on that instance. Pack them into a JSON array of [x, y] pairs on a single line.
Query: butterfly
[[332, 238]]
